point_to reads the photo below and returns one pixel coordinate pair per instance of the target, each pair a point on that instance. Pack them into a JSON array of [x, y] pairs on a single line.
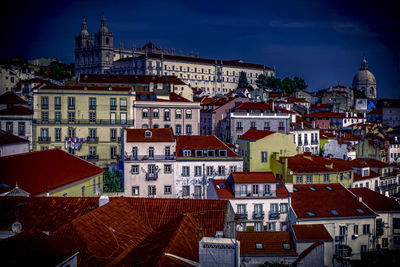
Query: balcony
[[151, 176], [71, 106], [253, 127], [113, 107], [146, 157], [239, 129], [267, 128], [306, 143], [281, 129], [57, 106], [92, 107], [93, 156], [21, 133], [122, 107], [44, 139], [113, 139], [92, 139], [45, 106], [257, 215], [242, 215], [274, 215]]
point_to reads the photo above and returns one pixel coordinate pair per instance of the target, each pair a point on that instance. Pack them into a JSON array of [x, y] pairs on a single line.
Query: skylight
[[329, 188], [278, 185], [295, 189], [311, 214], [222, 185], [334, 212], [360, 211], [259, 246], [286, 246], [312, 188]]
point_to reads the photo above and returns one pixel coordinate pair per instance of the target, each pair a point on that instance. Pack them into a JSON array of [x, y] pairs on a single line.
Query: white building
[[11, 144], [149, 162], [261, 200], [198, 160], [306, 136], [394, 153], [348, 220]]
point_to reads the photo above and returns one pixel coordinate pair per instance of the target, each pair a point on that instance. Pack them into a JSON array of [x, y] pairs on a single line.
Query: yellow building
[[311, 169], [49, 173], [257, 148], [85, 121]]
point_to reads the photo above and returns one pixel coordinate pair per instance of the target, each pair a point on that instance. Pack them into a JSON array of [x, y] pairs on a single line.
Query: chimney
[[302, 125], [103, 200], [359, 199], [273, 106], [313, 124], [347, 114]]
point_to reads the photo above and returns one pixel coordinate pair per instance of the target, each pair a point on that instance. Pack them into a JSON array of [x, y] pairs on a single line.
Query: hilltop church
[[212, 76]]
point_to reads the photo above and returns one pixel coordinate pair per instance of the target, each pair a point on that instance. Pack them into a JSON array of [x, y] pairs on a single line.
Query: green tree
[[59, 71], [112, 182], [274, 84], [243, 82], [300, 84], [288, 86]]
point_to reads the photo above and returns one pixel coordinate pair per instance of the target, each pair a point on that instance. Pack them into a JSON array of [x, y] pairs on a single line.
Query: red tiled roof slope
[[272, 243], [201, 142], [224, 191], [16, 110], [158, 135], [311, 233], [7, 138], [376, 201], [9, 98], [254, 135]]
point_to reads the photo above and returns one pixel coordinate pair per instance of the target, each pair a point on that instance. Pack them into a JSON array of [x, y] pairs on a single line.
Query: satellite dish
[[16, 227]]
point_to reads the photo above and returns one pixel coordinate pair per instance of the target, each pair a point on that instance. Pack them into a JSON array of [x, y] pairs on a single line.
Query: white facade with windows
[[306, 140]]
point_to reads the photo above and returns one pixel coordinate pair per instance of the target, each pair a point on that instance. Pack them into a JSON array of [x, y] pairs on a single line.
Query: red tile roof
[[7, 139], [307, 251], [33, 248], [272, 243], [253, 177], [43, 213], [376, 201], [377, 163], [201, 142], [44, 171], [260, 106], [326, 135], [210, 214], [88, 88], [372, 174], [321, 201], [104, 233], [127, 79], [308, 163], [254, 135], [223, 189], [158, 135], [332, 115], [9, 98], [352, 137], [16, 110], [172, 97], [179, 237], [377, 111], [310, 233]]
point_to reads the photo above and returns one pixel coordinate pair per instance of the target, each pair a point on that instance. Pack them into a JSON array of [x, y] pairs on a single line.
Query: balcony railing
[[258, 215], [242, 215], [113, 139], [122, 107], [113, 107], [57, 106], [151, 176], [45, 106], [239, 129], [146, 157], [274, 215], [281, 129], [76, 121], [92, 156], [306, 143], [91, 139], [44, 139], [71, 106], [92, 107], [267, 128]]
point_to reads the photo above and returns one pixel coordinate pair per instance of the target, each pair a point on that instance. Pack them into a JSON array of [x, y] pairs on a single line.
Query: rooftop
[[44, 171], [223, 189], [149, 96], [10, 98], [333, 115], [7, 138], [201, 142], [377, 202], [153, 135], [311, 233], [254, 135], [16, 110], [253, 177], [127, 79]]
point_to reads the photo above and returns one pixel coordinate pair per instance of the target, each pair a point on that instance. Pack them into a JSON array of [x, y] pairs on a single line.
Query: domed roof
[[84, 31], [364, 76]]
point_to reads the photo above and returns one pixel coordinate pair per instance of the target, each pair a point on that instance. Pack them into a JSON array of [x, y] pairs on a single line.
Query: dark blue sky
[[321, 41]]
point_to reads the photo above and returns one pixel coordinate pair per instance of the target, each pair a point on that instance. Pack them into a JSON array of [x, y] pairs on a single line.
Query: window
[[57, 116], [113, 117], [145, 113], [239, 125], [123, 117], [186, 190], [334, 212], [221, 170], [253, 125], [134, 169], [45, 116], [271, 226], [45, 102], [258, 210], [21, 128], [71, 117], [222, 153], [241, 208], [267, 189], [122, 103], [258, 226], [341, 176], [178, 129], [151, 190], [188, 114], [113, 104], [385, 242], [264, 156], [167, 189], [92, 103], [309, 179], [396, 225], [255, 189], [57, 102], [71, 102], [167, 116], [188, 129], [197, 171], [274, 208], [92, 150], [71, 133], [210, 170], [113, 134], [326, 177], [178, 114], [92, 133], [243, 190], [83, 191], [151, 152], [92, 116], [167, 168], [113, 152], [363, 249], [197, 191], [355, 229], [187, 153], [44, 132], [366, 229], [57, 134], [156, 113], [9, 127], [342, 230], [284, 207], [299, 179], [135, 190], [185, 170]]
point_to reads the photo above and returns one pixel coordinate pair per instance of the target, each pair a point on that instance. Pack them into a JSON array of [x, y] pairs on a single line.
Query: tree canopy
[[277, 85], [243, 82]]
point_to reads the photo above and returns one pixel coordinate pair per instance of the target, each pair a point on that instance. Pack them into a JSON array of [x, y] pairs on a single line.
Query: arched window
[[145, 113], [145, 126], [178, 114], [156, 126], [167, 115], [371, 90], [107, 40], [156, 113], [188, 114]]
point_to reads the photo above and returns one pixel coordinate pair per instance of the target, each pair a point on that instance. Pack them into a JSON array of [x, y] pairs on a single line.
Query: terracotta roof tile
[[254, 135], [44, 171], [88, 88], [158, 135], [319, 203], [16, 110], [148, 96], [223, 189], [272, 243], [254, 177], [127, 79], [310, 233], [7, 138], [201, 142], [260, 106], [376, 201], [9, 98], [331, 115]]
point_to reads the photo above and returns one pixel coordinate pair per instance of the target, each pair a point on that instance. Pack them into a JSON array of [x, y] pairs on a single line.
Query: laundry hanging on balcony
[[74, 143]]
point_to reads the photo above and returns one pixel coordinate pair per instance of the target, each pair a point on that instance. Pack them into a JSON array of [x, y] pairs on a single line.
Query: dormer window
[[211, 153], [199, 153], [147, 133], [222, 153], [187, 153]]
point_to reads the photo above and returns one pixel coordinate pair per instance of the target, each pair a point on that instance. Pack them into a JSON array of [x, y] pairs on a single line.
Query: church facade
[[212, 76]]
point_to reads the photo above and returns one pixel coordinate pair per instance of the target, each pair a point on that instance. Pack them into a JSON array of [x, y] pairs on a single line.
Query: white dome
[[363, 77]]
